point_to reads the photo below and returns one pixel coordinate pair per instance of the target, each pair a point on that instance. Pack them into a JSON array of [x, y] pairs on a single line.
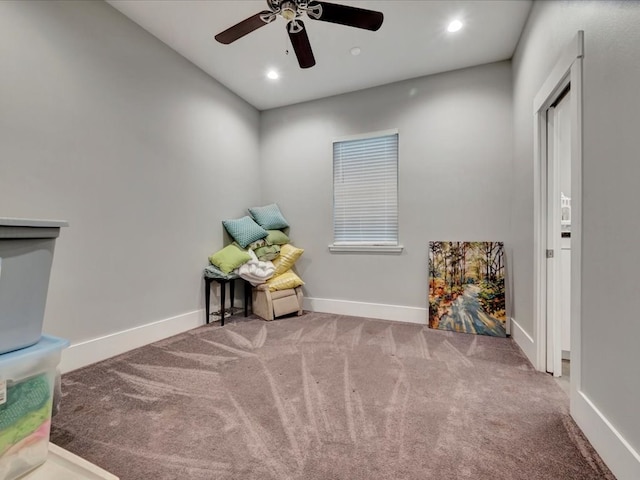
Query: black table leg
[[207, 295], [232, 286], [247, 292], [222, 293], [223, 290]]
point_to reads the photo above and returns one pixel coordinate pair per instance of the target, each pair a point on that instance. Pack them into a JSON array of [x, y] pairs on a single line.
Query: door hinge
[[549, 253]]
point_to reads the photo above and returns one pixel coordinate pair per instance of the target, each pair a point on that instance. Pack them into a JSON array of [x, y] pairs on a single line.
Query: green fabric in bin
[[27, 408], [25, 427], [22, 398]]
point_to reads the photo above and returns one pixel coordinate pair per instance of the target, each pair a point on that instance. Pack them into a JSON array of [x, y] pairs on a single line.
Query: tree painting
[[466, 287]]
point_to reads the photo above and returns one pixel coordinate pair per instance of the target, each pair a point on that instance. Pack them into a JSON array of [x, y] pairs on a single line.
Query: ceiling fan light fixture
[[293, 11], [289, 11], [454, 26]]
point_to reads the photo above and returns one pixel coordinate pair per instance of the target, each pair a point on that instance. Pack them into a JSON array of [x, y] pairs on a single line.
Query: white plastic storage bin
[[27, 378], [26, 253]]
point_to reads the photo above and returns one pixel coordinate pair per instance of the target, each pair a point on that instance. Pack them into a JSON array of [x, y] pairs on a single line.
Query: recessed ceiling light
[[355, 51], [454, 26], [272, 74]]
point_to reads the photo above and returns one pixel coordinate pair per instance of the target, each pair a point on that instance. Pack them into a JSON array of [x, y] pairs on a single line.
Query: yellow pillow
[[282, 282], [288, 256]]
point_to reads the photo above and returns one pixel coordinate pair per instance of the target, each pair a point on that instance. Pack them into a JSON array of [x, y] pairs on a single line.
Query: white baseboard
[[524, 341], [97, 349], [617, 453], [371, 310]]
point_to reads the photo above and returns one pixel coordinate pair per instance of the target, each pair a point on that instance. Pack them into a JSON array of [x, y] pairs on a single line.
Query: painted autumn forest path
[[467, 315]]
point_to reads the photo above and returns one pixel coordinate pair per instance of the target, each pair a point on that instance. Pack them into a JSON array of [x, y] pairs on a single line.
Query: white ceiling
[[413, 41]]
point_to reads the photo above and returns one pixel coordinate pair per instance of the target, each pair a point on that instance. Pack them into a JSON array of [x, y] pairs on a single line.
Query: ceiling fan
[[291, 11]]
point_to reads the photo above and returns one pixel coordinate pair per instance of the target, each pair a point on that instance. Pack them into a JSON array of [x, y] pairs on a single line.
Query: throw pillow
[[269, 217], [288, 256], [244, 230], [276, 237], [211, 271], [229, 258], [258, 243], [282, 282], [267, 253]]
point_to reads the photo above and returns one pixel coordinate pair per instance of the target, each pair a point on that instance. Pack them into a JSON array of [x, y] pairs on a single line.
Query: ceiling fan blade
[[300, 43], [246, 26], [345, 15]]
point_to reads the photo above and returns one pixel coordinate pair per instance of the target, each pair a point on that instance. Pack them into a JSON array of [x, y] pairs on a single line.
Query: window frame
[[367, 247]]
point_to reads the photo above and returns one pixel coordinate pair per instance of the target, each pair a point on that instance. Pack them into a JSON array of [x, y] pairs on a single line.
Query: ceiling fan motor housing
[[291, 11]]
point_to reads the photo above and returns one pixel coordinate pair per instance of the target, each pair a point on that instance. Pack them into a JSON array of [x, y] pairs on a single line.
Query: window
[[365, 193]]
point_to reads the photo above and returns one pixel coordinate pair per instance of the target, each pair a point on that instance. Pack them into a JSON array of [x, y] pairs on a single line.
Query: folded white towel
[[255, 271]]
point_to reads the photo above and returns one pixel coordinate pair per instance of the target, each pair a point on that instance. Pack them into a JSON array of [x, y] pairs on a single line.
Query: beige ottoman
[[270, 305]]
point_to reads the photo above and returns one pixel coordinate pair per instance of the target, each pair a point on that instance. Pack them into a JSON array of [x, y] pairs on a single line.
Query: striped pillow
[[285, 281], [288, 256]]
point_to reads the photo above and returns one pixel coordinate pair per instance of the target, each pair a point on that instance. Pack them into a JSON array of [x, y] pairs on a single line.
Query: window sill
[[391, 249]]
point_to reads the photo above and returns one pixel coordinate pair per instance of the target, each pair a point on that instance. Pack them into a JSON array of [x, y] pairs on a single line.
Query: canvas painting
[[466, 287]]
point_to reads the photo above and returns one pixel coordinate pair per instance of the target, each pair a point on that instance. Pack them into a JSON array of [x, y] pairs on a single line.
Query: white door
[[558, 232]]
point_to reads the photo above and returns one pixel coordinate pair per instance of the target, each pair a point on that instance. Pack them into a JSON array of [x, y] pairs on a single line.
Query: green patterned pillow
[[269, 217], [244, 230]]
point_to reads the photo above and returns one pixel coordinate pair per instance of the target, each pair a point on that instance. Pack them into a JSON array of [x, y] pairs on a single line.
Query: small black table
[[223, 286]]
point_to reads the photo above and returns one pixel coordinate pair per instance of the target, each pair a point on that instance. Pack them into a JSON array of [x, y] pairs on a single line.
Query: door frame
[[553, 268], [567, 71]]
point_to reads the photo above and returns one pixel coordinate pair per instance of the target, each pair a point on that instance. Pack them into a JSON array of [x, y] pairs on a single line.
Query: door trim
[[567, 71], [553, 277]]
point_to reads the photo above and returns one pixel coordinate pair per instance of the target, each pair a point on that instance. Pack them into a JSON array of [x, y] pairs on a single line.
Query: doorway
[[558, 105], [558, 250]]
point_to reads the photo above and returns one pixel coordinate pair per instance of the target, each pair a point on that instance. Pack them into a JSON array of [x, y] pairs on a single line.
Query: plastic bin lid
[[45, 346], [30, 222]]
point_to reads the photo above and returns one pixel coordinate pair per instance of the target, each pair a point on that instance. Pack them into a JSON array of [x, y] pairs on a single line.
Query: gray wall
[[611, 232], [143, 153], [454, 176]]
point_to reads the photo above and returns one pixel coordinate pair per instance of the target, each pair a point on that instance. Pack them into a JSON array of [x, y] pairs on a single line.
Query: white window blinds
[[365, 191]]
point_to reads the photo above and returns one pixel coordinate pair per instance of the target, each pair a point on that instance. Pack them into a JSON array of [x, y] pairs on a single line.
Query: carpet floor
[[323, 397]]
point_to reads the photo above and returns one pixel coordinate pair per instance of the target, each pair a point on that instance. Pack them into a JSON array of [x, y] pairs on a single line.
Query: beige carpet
[[323, 397]]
